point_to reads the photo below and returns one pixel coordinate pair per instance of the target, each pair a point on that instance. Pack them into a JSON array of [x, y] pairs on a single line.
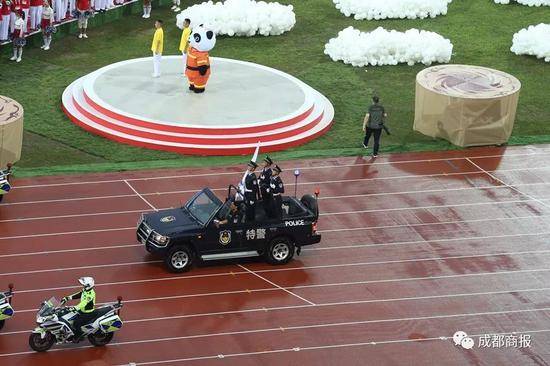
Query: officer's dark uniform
[[265, 179], [251, 193], [277, 188]]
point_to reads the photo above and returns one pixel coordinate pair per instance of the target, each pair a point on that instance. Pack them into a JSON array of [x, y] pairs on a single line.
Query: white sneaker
[[144, 16], [156, 75], [46, 48], [177, 9], [80, 36], [148, 16], [173, 7], [42, 47], [13, 58], [18, 59], [85, 35]]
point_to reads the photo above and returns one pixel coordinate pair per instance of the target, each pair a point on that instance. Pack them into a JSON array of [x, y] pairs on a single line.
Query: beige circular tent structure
[[466, 105], [11, 131]]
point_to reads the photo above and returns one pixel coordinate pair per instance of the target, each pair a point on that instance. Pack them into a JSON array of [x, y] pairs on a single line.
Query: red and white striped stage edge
[[244, 103]]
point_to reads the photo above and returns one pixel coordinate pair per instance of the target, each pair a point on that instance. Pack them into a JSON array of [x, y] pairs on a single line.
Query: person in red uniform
[[26, 7], [84, 11], [5, 11], [198, 60], [15, 6], [36, 13]]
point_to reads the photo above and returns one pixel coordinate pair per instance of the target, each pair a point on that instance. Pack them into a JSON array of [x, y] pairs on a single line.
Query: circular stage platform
[[244, 104]]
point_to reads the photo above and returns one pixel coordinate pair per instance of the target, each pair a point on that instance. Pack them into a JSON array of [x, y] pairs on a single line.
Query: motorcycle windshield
[[48, 307]]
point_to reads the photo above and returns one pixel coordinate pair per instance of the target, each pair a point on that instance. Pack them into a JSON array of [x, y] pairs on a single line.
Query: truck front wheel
[[179, 258], [280, 251]]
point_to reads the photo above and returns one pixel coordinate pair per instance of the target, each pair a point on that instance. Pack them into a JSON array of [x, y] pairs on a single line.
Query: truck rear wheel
[[179, 258], [280, 251]]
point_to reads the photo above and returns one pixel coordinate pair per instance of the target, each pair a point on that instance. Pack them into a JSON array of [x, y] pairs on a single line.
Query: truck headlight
[[161, 239]]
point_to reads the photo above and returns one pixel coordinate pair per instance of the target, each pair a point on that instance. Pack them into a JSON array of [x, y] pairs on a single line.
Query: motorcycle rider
[[86, 306]]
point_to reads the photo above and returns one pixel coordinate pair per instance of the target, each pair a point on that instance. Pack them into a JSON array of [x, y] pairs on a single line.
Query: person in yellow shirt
[[184, 43], [157, 47]]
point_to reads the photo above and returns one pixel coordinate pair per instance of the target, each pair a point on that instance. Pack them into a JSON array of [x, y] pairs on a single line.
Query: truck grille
[[145, 235]]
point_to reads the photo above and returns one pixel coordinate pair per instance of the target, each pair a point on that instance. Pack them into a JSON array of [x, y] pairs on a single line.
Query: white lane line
[[140, 196], [79, 268], [22, 219], [67, 233], [304, 327], [221, 274], [67, 200], [319, 231], [352, 246], [490, 203], [359, 246], [323, 347], [46, 252], [275, 285], [299, 183], [544, 152], [411, 225], [288, 307], [318, 183], [429, 191], [506, 184], [398, 261]]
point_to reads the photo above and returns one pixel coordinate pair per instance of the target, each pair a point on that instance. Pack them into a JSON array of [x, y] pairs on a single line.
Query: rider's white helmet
[[87, 282]]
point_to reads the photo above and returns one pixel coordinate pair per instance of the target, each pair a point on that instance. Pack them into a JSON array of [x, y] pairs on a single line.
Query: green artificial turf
[[480, 30]]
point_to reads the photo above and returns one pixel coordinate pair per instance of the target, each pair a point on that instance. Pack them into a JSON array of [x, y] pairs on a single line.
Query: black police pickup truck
[[183, 235]]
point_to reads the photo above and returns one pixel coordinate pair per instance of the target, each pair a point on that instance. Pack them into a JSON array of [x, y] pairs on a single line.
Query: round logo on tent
[[168, 219]]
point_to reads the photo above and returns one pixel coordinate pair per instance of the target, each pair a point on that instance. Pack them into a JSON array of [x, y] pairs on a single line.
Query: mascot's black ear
[[201, 25], [209, 34]]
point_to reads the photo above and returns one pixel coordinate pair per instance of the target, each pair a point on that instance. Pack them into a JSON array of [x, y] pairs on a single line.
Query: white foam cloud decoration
[[241, 17], [526, 2], [383, 47], [399, 9], [534, 41]]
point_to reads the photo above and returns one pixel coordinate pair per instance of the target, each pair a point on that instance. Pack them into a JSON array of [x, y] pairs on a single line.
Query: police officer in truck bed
[[251, 191], [265, 179], [277, 188]]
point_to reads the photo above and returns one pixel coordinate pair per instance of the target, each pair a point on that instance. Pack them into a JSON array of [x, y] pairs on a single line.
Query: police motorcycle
[[55, 325], [5, 185], [6, 311]]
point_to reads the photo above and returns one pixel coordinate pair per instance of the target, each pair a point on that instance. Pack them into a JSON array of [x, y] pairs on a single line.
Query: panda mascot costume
[[198, 61]]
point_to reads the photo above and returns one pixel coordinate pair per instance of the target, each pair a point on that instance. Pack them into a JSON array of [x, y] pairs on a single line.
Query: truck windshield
[[202, 207]]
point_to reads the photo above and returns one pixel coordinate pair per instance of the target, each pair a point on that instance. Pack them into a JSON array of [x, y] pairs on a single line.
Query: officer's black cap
[[252, 164], [268, 160], [276, 168]]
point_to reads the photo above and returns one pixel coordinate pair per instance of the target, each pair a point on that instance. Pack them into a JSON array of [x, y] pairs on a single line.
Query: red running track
[[415, 247]]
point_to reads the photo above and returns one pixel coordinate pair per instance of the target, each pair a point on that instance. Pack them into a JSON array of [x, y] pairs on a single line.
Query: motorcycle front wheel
[[40, 344], [99, 339]]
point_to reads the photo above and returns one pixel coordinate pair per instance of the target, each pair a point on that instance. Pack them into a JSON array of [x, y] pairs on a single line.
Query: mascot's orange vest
[[196, 59]]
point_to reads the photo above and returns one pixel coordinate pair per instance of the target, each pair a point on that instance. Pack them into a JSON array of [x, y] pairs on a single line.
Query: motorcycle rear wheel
[[100, 339], [40, 344]]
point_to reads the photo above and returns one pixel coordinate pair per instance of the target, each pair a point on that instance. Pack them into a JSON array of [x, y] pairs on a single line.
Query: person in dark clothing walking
[[265, 179], [373, 124], [276, 188]]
